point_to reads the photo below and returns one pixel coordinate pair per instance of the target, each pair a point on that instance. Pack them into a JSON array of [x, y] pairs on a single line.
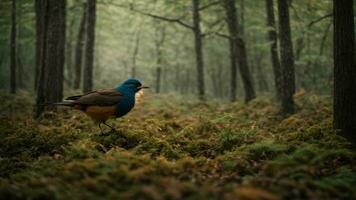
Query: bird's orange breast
[[100, 113]]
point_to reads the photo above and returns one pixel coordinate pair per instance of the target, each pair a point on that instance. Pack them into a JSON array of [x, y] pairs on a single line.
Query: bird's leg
[[112, 128], [101, 130]]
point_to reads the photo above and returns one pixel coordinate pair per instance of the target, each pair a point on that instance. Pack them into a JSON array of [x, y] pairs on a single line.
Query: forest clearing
[[175, 149], [163, 99]]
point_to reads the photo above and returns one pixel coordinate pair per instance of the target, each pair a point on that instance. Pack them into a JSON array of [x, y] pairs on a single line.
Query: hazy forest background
[[249, 99]]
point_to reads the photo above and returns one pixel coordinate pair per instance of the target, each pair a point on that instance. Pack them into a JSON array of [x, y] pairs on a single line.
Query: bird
[[103, 104]]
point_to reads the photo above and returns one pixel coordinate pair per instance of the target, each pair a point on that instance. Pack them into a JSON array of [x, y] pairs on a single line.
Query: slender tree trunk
[[245, 71], [324, 38], [50, 84], [13, 55], [160, 37], [272, 36], [238, 52], [90, 41], [20, 71], [97, 69], [262, 82], [242, 16], [233, 69], [187, 80], [158, 79], [198, 50], [79, 49], [134, 56], [40, 38], [344, 70], [176, 77], [1, 59], [165, 85], [232, 25], [287, 59], [19, 67], [69, 55]]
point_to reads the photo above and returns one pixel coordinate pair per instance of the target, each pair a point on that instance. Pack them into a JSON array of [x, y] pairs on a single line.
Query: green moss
[[230, 139], [264, 150], [170, 148]]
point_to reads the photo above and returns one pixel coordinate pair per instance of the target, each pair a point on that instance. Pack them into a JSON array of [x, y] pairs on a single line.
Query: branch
[[209, 5], [217, 22], [319, 19], [174, 20], [222, 35]]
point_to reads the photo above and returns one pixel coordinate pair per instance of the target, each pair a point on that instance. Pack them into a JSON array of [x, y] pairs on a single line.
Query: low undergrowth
[[170, 148]]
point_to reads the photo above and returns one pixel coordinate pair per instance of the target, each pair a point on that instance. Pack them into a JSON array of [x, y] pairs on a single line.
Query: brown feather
[[103, 97], [100, 113]]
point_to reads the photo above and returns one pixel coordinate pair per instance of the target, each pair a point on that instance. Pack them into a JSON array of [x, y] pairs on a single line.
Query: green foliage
[[170, 149], [231, 139]]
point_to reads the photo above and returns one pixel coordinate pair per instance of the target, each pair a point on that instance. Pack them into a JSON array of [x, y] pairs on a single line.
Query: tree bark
[[160, 37], [41, 45], [287, 59], [134, 56], [242, 16], [40, 38], [19, 66], [20, 71], [344, 70], [50, 84], [79, 49], [272, 37], [238, 53], [69, 55], [90, 41], [198, 50], [262, 82], [13, 55], [245, 71]]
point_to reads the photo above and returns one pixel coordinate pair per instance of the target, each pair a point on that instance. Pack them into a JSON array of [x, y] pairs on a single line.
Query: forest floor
[[171, 148]]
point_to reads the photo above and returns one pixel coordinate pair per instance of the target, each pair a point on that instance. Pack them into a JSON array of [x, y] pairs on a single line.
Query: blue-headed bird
[[103, 104]]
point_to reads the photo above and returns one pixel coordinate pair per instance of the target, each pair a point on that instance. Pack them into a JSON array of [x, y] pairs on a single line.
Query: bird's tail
[[62, 103], [65, 103]]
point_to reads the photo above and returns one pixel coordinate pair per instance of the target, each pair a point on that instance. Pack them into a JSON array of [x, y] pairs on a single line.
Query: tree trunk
[[287, 59], [238, 52], [19, 65], [158, 79], [41, 45], [134, 56], [242, 16], [160, 37], [262, 82], [233, 69], [198, 50], [272, 36], [13, 56], [344, 70], [79, 49], [40, 38], [245, 71], [69, 55], [90, 41], [50, 84], [20, 71]]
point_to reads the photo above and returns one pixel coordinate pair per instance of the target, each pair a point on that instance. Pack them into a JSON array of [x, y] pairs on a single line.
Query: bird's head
[[131, 85]]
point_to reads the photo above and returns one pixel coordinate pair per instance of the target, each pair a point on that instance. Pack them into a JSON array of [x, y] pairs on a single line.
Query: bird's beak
[[142, 87]]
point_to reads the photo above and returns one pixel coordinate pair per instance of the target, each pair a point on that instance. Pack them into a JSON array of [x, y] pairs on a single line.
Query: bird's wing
[[103, 97]]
